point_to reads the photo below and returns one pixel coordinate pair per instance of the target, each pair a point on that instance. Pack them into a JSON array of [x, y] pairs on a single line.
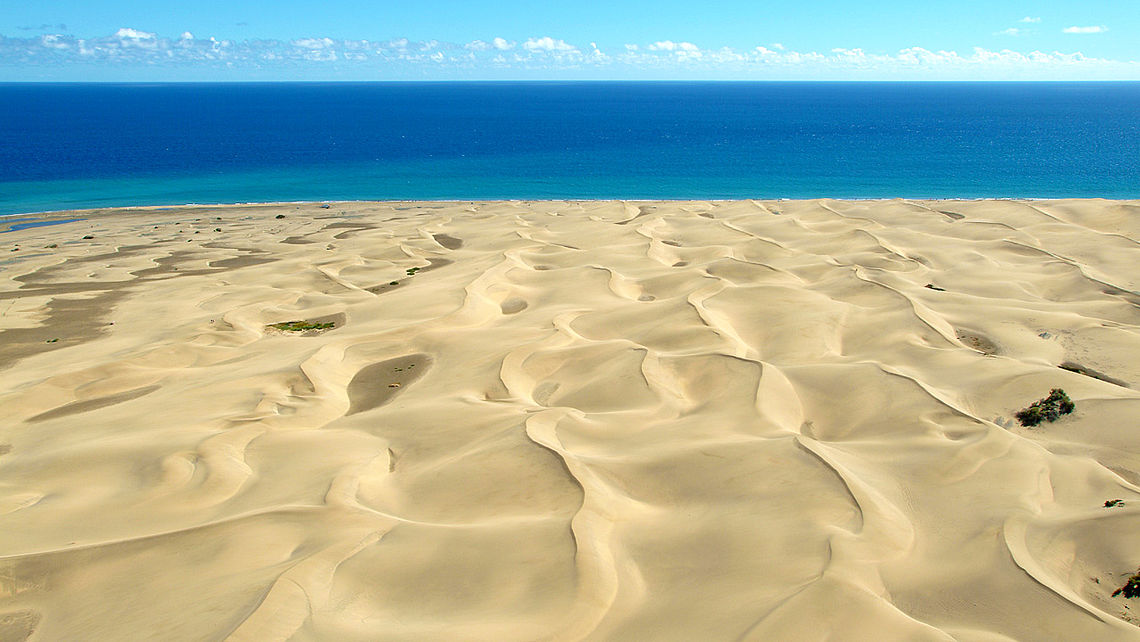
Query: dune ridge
[[744, 420]]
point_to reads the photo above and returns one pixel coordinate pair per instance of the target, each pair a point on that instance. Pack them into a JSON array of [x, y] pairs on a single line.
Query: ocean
[[66, 146]]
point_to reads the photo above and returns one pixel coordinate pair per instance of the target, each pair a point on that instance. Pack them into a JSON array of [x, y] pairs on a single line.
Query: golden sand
[[777, 420]]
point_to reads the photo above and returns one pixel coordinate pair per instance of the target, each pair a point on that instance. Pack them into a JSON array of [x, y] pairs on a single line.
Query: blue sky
[[594, 39]]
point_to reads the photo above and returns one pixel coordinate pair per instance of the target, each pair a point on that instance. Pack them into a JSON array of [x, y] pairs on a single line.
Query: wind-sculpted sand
[[779, 420]]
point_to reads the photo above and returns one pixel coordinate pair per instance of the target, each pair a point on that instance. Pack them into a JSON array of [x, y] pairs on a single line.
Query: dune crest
[[571, 420]]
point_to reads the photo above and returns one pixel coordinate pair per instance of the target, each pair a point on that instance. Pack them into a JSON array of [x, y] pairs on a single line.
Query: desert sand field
[[745, 420]]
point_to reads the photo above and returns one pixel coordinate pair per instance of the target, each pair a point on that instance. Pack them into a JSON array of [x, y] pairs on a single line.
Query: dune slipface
[[571, 420]]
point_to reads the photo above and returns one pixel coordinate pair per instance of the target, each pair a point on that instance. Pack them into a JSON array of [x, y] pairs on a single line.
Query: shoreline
[[253, 204]]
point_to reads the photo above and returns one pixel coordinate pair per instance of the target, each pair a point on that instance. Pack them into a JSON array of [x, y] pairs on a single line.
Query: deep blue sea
[[65, 146]]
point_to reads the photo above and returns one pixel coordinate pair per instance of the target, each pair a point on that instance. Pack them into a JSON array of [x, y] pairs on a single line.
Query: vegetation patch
[[1048, 409], [1131, 588], [412, 271], [1113, 503], [302, 326]]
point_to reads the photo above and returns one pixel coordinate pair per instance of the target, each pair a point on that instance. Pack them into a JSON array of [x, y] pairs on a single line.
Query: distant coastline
[[72, 146], [51, 216]]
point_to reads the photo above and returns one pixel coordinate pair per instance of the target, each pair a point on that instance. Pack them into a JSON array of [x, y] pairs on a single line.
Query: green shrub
[[1131, 588], [1048, 409], [301, 326]]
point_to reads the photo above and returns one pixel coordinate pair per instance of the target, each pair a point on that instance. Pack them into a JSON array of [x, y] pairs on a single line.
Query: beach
[[605, 420]]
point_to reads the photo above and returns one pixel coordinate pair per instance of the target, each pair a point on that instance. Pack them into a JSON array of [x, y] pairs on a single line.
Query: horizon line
[[533, 81]]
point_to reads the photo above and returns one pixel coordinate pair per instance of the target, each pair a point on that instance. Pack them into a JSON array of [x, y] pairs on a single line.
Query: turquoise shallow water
[[85, 145]]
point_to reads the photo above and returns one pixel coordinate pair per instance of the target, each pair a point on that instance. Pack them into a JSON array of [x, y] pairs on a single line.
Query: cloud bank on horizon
[[131, 52]]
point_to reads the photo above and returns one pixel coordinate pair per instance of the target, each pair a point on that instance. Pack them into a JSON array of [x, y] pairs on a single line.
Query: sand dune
[[778, 420]]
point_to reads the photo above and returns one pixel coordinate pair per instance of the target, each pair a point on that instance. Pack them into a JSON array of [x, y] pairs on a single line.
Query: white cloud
[[54, 41], [597, 56], [921, 56], [1012, 31], [313, 43], [543, 57], [1030, 19], [1093, 29], [133, 38], [316, 55], [547, 44], [127, 33], [777, 46], [669, 45]]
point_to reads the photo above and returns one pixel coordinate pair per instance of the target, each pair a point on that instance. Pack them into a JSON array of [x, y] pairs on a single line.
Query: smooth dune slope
[[778, 420]]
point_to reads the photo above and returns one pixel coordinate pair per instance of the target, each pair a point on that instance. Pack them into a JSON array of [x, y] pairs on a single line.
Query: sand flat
[[680, 420]]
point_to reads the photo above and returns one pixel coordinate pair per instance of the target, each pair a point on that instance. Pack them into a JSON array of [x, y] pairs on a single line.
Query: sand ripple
[[571, 420]]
